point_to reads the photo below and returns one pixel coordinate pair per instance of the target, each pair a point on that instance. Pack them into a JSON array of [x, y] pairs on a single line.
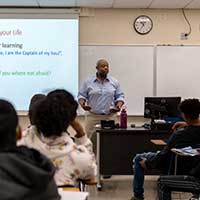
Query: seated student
[[182, 183], [190, 109], [80, 136], [51, 118], [25, 173]]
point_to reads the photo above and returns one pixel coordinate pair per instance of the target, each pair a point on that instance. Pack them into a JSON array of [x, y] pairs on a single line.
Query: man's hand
[[114, 109], [83, 104], [86, 107]]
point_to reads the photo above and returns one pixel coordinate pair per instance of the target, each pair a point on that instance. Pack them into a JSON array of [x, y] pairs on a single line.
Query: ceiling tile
[[95, 3], [18, 3], [131, 3], [171, 4], [195, 4], [57, 3]]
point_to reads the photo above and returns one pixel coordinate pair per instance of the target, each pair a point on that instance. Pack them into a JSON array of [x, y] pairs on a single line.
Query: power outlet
[[184, 36]]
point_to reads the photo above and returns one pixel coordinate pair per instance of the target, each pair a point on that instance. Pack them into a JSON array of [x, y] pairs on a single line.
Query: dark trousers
[[167, 184]]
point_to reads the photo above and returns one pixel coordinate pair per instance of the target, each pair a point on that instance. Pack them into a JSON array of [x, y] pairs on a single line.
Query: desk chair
[[178, 185], [84, 183], [185, 158]]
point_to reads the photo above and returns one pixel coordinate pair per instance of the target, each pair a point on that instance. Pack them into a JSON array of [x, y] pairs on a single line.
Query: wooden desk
[[116, 149], [70, 189], [158, 142]]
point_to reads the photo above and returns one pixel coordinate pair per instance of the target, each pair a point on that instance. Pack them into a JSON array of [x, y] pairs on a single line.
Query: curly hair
[[53, 114], [190, 108], [35, 99]]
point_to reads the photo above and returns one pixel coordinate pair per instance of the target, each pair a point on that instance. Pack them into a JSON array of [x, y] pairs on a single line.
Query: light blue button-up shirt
[[101, 97]]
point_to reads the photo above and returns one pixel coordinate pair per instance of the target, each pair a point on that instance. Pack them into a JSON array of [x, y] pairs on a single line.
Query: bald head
[[102, 62], [102, 67]]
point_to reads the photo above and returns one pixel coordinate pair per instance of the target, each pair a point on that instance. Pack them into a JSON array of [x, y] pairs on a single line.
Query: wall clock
[[143, 24]]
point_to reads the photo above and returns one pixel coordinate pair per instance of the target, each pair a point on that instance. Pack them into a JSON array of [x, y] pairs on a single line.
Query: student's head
[[102, 67], [53, 115], [67, 98], [34, 100], [8, 125], [190, 109]]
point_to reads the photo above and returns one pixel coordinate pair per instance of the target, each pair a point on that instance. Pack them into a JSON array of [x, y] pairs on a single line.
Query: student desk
[[117, 147], [181, 153], [66, 195]]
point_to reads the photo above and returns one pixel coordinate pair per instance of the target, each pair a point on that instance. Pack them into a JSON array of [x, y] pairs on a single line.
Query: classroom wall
[[115, 26]]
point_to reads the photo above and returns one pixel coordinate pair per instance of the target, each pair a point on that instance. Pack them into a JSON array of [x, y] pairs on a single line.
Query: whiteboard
[[131, 65], [178, 71]]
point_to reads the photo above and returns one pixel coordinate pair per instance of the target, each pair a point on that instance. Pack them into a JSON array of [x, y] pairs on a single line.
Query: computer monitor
[[161, 107]]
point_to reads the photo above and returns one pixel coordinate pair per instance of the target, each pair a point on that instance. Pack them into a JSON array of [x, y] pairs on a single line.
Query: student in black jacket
[[190, 135], [25, 174]]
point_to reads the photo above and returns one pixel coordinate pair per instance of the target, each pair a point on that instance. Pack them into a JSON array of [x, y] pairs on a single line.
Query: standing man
[[101, 96]]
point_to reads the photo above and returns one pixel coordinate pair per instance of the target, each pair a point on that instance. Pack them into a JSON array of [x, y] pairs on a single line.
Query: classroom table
[[116, 149]]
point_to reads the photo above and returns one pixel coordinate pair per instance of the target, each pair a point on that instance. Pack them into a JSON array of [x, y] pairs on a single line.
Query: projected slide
[[37, 56]]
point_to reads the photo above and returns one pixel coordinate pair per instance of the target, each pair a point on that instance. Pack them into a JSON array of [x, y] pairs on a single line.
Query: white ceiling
[[171, 4]]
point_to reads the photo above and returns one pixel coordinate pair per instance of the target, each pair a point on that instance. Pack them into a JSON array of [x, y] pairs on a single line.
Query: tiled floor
[[120, 188]]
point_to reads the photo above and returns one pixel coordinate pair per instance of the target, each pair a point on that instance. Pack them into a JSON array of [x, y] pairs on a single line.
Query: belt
[[99, 113]]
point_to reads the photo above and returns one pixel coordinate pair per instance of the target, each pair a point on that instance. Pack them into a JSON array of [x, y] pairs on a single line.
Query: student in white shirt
[[51, 117]]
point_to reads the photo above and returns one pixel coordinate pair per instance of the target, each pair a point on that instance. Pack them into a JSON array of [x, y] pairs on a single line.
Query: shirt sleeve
[[177, 138], [119, 95], [83, 92]]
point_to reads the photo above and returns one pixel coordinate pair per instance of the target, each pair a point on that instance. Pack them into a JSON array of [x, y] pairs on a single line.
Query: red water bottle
[[123, 118]]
